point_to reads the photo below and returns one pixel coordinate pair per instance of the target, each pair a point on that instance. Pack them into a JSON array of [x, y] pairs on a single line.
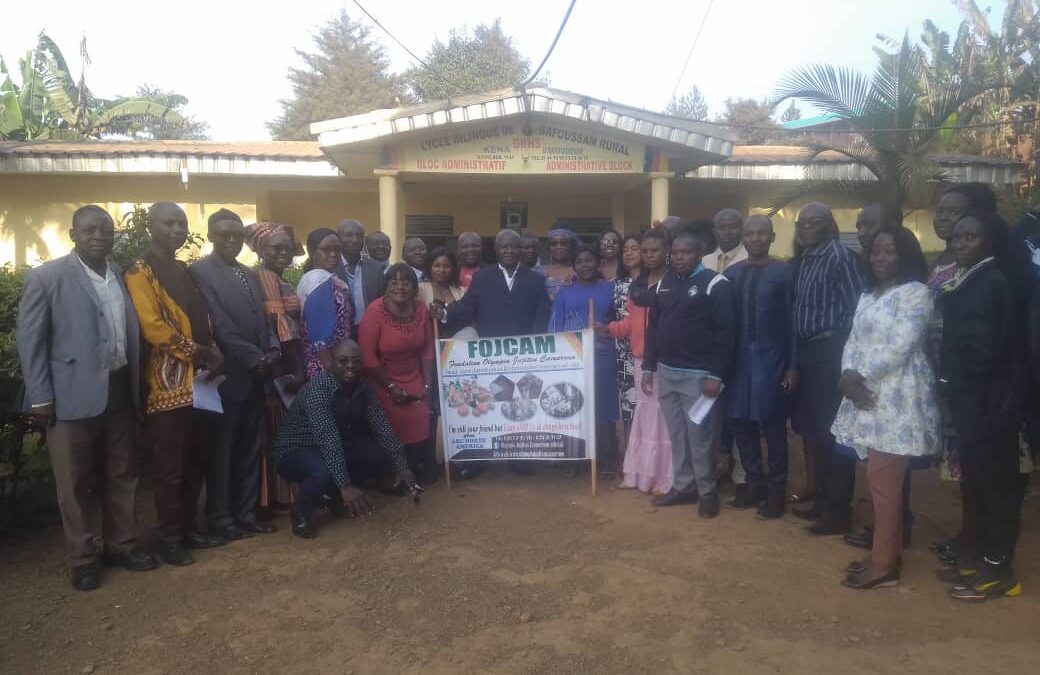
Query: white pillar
[[617, 211], [391, 209], [659, 195]]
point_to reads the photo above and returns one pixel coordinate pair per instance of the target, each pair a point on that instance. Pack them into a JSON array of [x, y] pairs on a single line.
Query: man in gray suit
[[364, 276], [78, 343], [236, 305]]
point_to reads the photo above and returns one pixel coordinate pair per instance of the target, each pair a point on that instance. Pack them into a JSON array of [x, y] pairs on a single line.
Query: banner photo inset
[[518, 397]]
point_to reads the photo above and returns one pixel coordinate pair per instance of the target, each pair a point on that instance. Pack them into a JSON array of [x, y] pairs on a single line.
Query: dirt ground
[[514, 575]]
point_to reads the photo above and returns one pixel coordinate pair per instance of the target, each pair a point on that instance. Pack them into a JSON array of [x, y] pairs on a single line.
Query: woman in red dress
[[396, 339]]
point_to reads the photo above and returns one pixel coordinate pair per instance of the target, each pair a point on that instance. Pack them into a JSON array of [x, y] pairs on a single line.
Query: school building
[[529, 159]]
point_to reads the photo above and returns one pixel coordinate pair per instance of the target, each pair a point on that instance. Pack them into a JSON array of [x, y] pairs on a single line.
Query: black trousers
[[233, 481], [815, 407], [748, 437], [990, 471], [364, 458]]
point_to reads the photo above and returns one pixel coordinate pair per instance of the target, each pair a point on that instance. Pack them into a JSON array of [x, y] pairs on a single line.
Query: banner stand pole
[[436, 341], [593, 469]]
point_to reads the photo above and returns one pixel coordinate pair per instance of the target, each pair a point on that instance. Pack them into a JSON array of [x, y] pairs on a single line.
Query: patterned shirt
[[314, 422], [827, 288]]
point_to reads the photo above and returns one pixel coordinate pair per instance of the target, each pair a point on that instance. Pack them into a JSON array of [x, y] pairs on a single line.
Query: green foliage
[[347, 74], [132, 239], [469, 63], [751, 119], [49, 104], [897, 114], [292, 274], [690, 105], [190, 129], [11, 279]]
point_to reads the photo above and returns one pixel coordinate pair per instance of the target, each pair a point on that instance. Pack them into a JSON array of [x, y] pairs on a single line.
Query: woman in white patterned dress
[[889, 412]]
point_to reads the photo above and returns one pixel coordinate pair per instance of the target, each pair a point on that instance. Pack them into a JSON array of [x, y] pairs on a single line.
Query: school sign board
[[519, 397]]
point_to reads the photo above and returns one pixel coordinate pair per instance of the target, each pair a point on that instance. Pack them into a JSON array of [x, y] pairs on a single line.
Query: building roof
[[789, 162], [292, 158], [701, 141], [815, 121]]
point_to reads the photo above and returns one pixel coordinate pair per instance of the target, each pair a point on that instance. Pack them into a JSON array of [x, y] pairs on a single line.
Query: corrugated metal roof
[[260, 149], [652, 127], [789, 162]]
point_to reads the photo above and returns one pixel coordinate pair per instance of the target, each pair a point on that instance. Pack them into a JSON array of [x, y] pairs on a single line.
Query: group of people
[[702, 341]]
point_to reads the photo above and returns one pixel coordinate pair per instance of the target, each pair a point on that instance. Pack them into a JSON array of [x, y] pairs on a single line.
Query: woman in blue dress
[[570, 312]]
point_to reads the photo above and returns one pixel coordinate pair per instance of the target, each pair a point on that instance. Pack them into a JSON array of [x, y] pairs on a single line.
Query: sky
[[230, 57]]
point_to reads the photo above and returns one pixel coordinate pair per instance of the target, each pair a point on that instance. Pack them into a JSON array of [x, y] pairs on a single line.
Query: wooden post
[[593, 470], [436, 355]]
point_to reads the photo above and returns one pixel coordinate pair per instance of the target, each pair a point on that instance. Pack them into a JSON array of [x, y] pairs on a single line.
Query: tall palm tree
[[49, 104], [895, 114]]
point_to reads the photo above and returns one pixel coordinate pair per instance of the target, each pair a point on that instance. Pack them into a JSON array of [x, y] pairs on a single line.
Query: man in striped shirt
[[828, 283]]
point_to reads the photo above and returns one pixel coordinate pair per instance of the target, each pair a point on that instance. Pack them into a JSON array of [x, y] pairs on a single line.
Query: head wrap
[[258, 233], [316, 237]]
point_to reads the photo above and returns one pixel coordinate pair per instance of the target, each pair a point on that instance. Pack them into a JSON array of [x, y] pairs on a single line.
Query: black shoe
[[829, 525], [709, 506], [469, 471], [232, 532], [199, 540], [334, 503], [957, 574], [772, 509], [810, 513], [252, 527], [994, 580], [674, 498], [860, 582], [173, 553], [303, 526], [134, 560], [747, 498], [862, 539], [85, 577]]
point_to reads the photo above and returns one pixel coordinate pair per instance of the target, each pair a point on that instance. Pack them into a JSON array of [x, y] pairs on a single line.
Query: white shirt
[[110, 293], [717, 261], [510, 278]]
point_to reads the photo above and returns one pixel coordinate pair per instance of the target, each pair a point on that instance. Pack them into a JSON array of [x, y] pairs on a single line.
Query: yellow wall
[[36, 210]]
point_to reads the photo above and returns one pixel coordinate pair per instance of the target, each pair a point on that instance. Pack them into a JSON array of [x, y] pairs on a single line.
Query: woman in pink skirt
[[648, 459]]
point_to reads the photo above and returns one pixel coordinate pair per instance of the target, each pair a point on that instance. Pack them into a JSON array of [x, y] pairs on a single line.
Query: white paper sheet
[[280, 385], [206, 393], [702, 406]]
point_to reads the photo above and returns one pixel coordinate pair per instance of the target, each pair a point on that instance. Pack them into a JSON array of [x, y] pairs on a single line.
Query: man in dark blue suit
[[503, 299]]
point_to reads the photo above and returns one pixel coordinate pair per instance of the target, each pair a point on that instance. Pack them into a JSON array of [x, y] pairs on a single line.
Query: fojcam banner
[[522, 397]]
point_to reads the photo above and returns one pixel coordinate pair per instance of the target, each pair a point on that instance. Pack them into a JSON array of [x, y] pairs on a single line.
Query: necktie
[[241, 273], [722, 262]]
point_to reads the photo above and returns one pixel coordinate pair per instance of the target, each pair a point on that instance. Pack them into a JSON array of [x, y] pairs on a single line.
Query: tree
[[791, 114], [751, 119], [190, 130], [48, 104], [348, 73], [469, 63], [897, 114], [690, 105]]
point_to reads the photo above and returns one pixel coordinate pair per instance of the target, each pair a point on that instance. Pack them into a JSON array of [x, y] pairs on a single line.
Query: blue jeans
[[364, 458], [748, 437]]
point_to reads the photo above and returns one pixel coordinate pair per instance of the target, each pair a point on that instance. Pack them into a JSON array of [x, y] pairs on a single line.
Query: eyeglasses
[[812, 222]]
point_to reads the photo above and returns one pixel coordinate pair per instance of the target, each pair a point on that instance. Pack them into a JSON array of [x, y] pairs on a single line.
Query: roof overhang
[[158, 158], [789, 163], [684, 142]]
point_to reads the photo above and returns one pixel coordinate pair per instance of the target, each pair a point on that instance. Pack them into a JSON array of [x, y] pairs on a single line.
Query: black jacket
[[497, 311], [691, 324], [983, 364]]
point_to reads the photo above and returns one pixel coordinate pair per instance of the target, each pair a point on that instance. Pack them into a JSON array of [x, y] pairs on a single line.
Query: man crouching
[[335, 438]]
